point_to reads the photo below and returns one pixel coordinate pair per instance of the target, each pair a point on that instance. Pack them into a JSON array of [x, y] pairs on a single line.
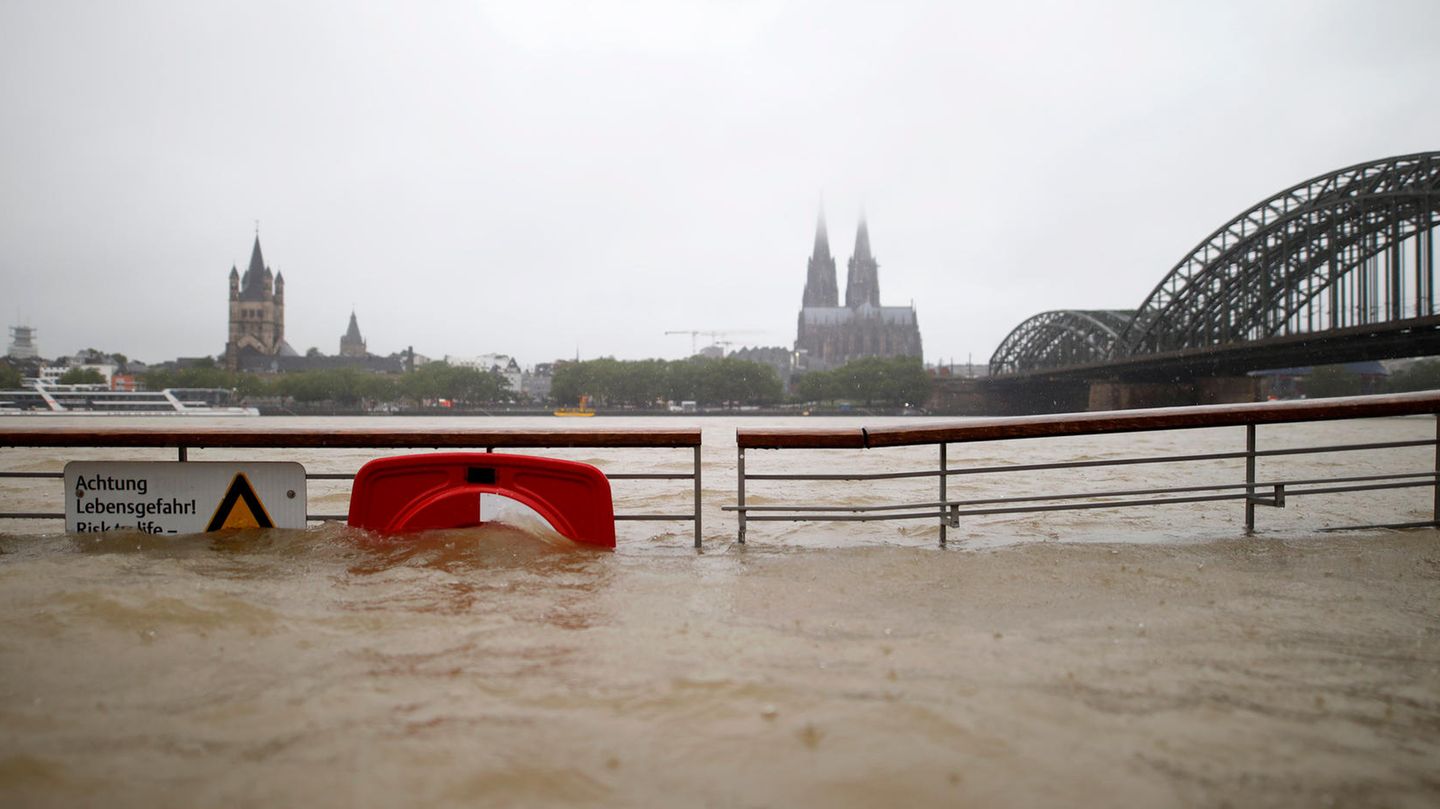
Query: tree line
[[646, 383], [893, 382], [347, 387], [607, 383]]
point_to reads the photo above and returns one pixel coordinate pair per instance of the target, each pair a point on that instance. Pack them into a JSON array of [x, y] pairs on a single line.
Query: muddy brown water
[[1152, 657]]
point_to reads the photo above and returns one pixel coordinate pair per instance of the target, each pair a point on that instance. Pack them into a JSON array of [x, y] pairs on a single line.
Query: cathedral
[[830, 335], [257, 313]]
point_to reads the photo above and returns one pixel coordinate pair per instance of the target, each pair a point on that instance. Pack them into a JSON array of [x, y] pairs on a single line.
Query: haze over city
[[546, 179]]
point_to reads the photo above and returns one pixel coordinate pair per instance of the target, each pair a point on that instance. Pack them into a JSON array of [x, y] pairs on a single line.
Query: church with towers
[[257, 313], [828, 334], [257, 329]]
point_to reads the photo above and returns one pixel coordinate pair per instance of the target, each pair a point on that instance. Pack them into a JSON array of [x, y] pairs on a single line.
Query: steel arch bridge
[[1346, 254]]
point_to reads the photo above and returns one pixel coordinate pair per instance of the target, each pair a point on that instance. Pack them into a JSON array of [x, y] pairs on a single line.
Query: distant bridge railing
[[237, 437], [1248, 489]]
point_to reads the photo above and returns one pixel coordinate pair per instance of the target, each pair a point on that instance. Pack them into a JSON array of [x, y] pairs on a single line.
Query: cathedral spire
[[820, 288], [862, 285]]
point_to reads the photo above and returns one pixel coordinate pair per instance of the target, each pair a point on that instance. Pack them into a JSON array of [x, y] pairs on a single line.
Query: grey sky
[[537, 177]]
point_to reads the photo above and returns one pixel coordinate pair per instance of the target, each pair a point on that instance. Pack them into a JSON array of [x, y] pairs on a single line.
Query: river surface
[[1142, 657]]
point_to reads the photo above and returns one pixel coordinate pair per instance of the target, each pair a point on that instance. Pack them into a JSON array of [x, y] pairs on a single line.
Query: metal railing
[[211, 437], [1250, 490]]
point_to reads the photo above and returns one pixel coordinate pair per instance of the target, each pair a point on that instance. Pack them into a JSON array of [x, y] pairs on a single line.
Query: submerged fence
[[1246, 487], [234, 437], [1250, 490]]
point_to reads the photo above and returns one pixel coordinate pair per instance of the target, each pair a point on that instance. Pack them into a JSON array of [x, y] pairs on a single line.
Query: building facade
[[257, 313], [829, 335]]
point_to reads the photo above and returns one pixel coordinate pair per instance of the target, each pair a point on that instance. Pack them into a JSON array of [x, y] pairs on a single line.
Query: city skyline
[[551, 179]]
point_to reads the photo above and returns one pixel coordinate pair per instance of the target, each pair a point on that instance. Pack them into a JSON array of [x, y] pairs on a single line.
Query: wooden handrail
[[800, 438], [1112, 421], [40, 435]]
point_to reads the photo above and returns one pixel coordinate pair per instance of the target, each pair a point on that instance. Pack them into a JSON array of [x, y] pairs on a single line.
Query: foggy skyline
[[541, 178]]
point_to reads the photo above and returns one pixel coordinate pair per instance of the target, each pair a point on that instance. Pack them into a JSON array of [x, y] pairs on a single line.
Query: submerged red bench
[[442, 490]]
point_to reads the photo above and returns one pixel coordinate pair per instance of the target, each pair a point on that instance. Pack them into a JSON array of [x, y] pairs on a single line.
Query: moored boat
[[86, 400], [583, 409]]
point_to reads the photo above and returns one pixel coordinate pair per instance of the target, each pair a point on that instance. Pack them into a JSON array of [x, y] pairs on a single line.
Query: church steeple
[[252, 286], [351, 343], [820, 288], [862, 285], [257, 312]]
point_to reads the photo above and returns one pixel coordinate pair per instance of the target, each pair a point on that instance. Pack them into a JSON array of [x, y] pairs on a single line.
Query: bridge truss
[[1350, 249]]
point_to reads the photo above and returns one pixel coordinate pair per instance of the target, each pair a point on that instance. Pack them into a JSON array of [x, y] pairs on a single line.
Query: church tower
[[862, 285], [820, 289], [351, 343], [257, 311]]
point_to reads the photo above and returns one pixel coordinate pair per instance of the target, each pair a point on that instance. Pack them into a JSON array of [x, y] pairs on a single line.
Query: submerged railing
[[948, 511], [211, 437]]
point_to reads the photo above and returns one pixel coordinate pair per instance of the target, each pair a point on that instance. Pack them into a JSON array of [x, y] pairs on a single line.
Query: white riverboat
[[86, 400]]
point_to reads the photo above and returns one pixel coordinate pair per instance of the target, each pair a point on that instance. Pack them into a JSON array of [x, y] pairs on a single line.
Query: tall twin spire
[[820, 280], [862, 284]]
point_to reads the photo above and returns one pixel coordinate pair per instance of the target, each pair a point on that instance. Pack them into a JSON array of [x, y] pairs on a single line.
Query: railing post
[[944, 497], [1249, 479], [184, 454], [697, 497], [1435, 509], [740, 492]]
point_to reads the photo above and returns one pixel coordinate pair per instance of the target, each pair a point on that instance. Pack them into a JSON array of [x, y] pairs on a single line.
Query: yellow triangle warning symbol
[[240, 508]]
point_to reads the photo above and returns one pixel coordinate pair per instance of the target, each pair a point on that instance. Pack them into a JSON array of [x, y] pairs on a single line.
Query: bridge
[[1338, 268]]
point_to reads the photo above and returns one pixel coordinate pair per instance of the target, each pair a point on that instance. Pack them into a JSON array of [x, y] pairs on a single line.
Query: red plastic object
[[442, 490]]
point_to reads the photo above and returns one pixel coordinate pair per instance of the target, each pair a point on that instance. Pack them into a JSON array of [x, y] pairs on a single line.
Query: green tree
[[893, 381], [82, 376], [203, 374], [1422, 375], [644, 383], [817, 386], [9, 376], [1332, 380], [737, 382], [570, 381], [440, 380], [683, 381]]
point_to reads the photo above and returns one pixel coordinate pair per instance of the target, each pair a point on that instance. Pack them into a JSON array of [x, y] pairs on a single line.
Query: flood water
[[1147, 657]]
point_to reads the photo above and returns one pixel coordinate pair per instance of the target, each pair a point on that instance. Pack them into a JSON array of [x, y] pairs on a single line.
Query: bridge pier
[[988, 397], [1114, 394]]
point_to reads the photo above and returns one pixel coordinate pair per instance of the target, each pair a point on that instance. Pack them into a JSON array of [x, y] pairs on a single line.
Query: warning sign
[[240, 508], [171, 497]]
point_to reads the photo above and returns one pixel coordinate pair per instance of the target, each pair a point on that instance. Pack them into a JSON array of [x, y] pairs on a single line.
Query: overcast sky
[[542, 178]]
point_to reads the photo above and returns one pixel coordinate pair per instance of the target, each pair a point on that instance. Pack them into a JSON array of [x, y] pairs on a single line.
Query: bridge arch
[[1327, 253], [1350, 248], [1061, 338]]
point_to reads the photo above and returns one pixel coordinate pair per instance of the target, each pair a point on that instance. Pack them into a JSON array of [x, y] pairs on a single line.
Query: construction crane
[[714, 336]]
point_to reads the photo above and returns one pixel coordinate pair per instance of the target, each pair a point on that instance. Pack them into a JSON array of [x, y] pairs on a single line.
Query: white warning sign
[[174, 497]]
